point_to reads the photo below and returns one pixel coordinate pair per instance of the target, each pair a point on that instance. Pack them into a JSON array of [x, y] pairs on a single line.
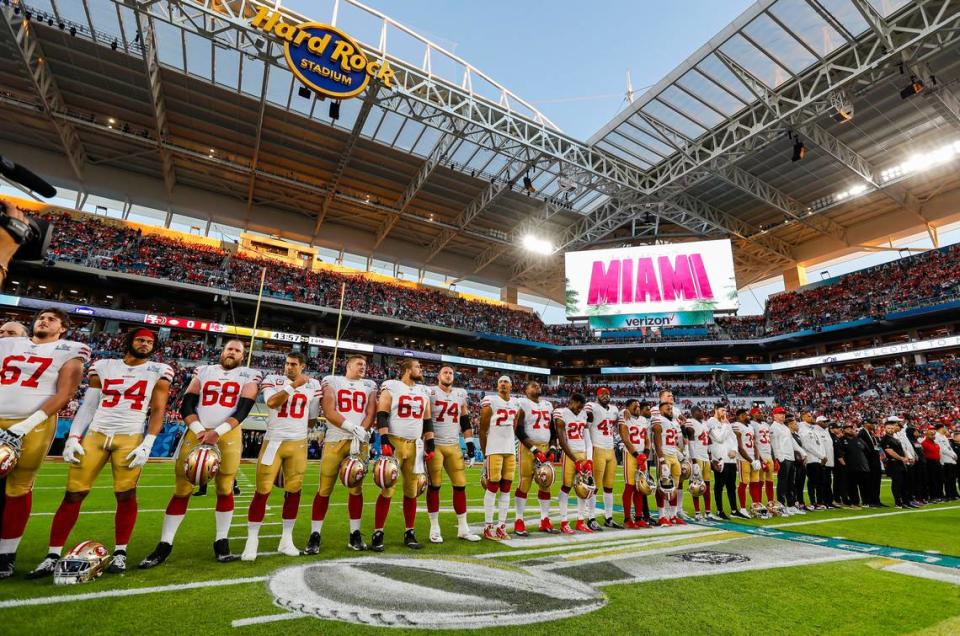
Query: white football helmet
[[665, 483], [774, 508], [352, 471], [543, 474], [386, 471], [202, 464], [584, 485], [759, 511], [85, 562]]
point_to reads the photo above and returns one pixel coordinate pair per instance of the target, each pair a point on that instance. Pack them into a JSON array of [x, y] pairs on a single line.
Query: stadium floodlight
[[913, 88], [304, 92], [537, 245], [923, 161], [334, 110]]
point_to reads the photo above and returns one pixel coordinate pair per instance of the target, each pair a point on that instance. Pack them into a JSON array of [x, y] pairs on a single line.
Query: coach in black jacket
[[858, 470], [872, 446]]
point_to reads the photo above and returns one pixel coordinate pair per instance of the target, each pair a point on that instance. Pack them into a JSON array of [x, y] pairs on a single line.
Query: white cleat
[[466, 535], [287, 548], [435, 535], [250, 550]]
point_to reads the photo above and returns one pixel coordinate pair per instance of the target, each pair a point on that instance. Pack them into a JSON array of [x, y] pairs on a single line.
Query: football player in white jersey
[[38, 377], [699, 445], [571, 426], [217, 400], [761, 433], [634, 423], [403, 417], [535, 432], [602, 418], [668, 444], [350, 408], [293, 400], [115, 406], [498, 426], [749, 462], [451, 419]]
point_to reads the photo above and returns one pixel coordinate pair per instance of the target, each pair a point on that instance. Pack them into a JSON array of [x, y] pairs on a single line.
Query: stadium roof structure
[[182, 105]]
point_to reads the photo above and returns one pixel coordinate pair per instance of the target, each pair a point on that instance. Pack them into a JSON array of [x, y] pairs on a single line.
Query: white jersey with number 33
[[29, 373], [220, 391], [125, 394], [408, 408]]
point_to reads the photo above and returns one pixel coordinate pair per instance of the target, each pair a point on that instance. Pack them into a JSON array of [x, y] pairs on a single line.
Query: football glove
[[776, 466], [580, 465], [471, 453], [429, 449], [539, 455], [553, 454], [588, 465], [756, 464], [386, 448], [73, 450], [139, 455], [361, 434]]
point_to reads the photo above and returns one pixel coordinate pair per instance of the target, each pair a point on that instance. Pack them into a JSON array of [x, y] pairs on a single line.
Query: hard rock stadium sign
[[323, 57]]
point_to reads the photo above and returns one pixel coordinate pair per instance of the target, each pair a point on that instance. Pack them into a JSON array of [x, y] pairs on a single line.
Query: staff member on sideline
[[896, 462], [782, 443]]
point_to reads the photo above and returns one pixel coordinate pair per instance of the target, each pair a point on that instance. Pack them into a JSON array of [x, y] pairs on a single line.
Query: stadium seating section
[[927, 279]]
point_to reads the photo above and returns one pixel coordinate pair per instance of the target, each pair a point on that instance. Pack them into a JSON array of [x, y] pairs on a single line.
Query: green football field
[[799, 575]]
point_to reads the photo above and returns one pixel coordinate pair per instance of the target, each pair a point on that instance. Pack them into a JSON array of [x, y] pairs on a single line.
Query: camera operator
[[8, 244]]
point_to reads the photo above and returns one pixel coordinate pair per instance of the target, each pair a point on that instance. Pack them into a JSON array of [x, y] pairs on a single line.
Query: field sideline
[[192, 589]]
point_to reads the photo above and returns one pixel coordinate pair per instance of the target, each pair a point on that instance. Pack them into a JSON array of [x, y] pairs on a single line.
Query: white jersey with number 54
[[125, 394]]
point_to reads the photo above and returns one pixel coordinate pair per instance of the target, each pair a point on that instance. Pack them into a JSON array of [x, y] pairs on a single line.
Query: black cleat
[[313, 544], [221, 548], [723, 515], [158, 556], [610, 523], [8, 563], [236, 490], [356, 541], [119, 563], [46, 567], [593, 525], [201, 491], [376, 541], [410, 540]]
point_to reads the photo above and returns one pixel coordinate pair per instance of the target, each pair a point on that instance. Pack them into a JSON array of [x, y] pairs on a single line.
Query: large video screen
[[651, 279]]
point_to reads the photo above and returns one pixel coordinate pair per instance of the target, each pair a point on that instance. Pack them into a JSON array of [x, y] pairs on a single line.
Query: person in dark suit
[[867, 434], [857, 466]]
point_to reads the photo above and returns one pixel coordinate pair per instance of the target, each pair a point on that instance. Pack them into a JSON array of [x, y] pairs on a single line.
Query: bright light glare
[[924, 161], [537, 245]]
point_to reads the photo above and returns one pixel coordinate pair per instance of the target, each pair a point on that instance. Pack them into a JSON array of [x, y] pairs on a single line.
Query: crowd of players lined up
[[420, 429], [925, 279]]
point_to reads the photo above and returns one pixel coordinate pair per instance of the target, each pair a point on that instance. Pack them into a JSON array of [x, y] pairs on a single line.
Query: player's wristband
[[196, 427], [223, 429]]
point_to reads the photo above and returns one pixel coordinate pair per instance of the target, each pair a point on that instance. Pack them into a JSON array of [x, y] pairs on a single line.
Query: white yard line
[[137, 591], [925, 572], [271, 618], [861, 517]]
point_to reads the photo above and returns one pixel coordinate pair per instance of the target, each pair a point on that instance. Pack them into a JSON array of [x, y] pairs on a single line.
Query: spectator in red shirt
[[933, 472]]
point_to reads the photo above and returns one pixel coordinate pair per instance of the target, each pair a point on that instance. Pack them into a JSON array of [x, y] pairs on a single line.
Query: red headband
[[143, 332]]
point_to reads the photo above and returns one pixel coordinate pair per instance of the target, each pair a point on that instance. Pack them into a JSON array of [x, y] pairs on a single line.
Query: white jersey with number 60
[[408, 408], [350, 398], [220, 391], [125, 394]]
